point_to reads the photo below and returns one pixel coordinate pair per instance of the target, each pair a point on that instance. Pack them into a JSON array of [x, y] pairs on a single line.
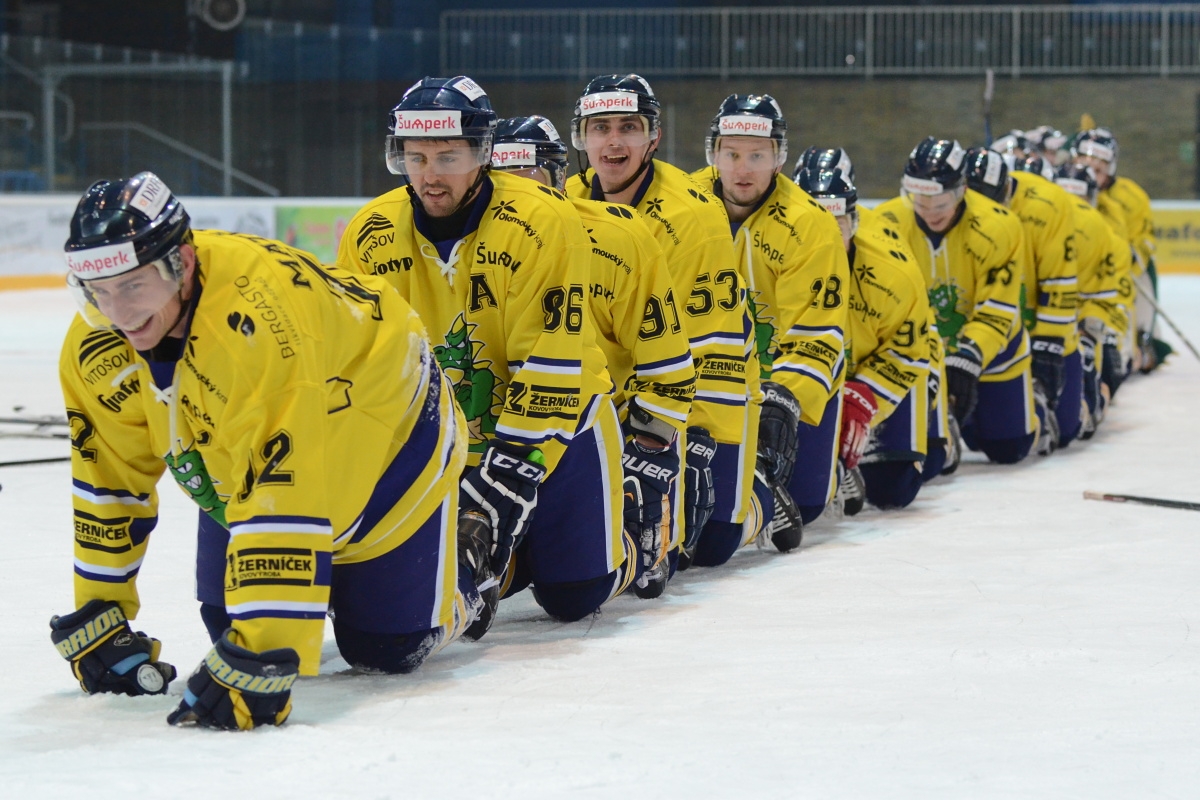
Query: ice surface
[[1001, 638]]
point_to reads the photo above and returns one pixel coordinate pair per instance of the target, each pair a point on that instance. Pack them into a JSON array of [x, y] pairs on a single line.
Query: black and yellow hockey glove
[[236, 689], [106, 655]]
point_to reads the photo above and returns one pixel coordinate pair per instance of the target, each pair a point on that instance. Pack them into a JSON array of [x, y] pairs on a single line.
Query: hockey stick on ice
[[989, 91], [35, 461], [1146, 501], [1158, 310]]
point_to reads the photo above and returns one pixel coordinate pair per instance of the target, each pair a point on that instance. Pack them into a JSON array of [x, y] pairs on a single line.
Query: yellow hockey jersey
[[888, 320], [693, 231], [636, 313], [794, 264], [973, 274], [1134, 204], [1051, 296], [1102, 257], [507, 309], [293, 416]]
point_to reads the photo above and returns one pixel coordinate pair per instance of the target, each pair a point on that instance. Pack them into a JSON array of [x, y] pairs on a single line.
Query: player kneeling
[[301, 408], [882, 399]]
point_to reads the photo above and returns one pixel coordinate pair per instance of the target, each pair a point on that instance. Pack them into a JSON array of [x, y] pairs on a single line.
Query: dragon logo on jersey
[[189, 471], [764, 332], [473, 380], [944, 301]]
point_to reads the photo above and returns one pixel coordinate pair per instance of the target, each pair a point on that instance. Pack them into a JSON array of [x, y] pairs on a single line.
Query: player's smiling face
[[141, 303], [747, 165], [441, 171], [616, 146]]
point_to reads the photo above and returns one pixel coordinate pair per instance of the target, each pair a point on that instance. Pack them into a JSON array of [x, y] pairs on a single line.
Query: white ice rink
[[1002, 638]]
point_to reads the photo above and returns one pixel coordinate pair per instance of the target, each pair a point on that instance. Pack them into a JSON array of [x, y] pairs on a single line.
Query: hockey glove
[[106, 655], [1092, 395], [699, 493], [1112, 367], [858, 409], [236, 689], [648, 477], [474, 545], [777, 431], [963, 368], [1048, 366], [504, 489]]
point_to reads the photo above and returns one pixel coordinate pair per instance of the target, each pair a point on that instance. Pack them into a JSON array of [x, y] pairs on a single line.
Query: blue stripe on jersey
[[281, 519], [664, 365], [406, 467], [880, 389], [816, 329], [278, 613], [96, 576], [561, 363], [803, 369], [737, 336], [117, 495], [723, 398]]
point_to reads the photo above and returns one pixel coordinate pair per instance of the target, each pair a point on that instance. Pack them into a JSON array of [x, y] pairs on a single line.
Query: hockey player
[[617, 126], [970, 252], [1103, 256], [301, 408], [497, 267], [1123, 199], [888, 349], [1050, 292], [1049, 142], [797, 276], [631, 300]]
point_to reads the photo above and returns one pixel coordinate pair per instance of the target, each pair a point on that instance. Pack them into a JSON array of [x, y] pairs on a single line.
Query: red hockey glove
[[858, 409]]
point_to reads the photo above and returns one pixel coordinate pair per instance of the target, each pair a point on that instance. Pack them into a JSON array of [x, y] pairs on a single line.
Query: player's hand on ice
[[858, 409], [504, 489], [236, 689], [963, 368], [106, 655]]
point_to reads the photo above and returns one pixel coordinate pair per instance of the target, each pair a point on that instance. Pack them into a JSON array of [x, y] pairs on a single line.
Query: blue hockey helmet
[[533, 141], [934, 166], [442, 108], [615, 95], [987, 174], [123, 224], [824, 158], [1034, 163], [756, 115], [832, 188], [1098, 143], [1078, 179]]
